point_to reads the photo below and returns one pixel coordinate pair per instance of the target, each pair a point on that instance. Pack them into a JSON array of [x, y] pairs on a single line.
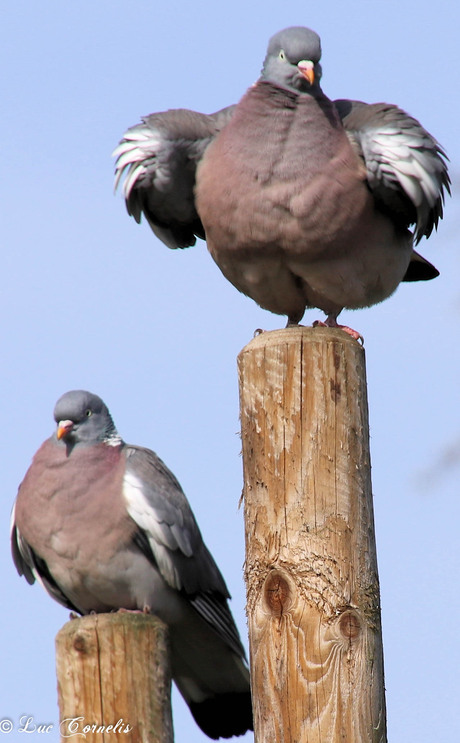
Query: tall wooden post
[[114, 679], [311, 568]]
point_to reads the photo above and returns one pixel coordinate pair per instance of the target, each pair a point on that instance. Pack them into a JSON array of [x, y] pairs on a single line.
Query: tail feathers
[[224, 715], [420, 269]]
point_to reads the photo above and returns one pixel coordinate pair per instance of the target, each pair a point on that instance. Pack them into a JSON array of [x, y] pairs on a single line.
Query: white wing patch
[[136, 150], [407, 157], [163, 537]]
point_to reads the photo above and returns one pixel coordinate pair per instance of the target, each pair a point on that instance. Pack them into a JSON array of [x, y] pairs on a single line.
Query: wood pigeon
[[303, 201], [104, 525]]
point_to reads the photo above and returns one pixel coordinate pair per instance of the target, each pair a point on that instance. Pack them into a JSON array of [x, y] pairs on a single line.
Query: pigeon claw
[[332, 323]]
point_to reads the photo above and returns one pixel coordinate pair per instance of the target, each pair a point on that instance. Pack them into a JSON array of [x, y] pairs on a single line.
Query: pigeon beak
[[306, 68], [64, 427]]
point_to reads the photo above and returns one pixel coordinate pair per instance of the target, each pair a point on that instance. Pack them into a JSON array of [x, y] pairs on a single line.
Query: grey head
[[83, 418], [292, 59]]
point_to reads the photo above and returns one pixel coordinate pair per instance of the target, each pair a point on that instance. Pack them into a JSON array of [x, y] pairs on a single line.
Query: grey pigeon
[[103, 525], [304, 202]]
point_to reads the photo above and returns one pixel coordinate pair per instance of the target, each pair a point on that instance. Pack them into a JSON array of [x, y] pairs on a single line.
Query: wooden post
[[311, 568], [114, 677]]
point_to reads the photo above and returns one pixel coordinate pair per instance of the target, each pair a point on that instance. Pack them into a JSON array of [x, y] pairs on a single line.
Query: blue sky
[[88, 299]]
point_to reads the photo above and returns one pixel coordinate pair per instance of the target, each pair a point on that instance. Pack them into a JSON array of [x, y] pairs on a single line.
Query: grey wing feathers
[[216, 612], [156, 502], [158, 159], [406, 166]]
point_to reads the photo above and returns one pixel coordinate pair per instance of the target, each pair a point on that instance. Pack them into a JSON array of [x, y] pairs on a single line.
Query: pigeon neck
[[113, 438], [312, 91]]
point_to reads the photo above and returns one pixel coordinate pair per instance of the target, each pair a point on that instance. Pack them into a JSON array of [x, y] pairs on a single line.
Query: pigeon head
[[83, 418], [292, 59]]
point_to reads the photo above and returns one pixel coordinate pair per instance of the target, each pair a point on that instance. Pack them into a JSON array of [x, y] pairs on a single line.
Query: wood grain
[[112, 668], [311, 567]]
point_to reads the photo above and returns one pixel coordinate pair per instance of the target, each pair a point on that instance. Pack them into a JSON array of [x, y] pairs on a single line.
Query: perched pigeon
[[103, 525], [304, 202]]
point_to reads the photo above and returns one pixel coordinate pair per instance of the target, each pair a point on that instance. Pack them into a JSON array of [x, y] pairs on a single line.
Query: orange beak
[[306, 68], [64, 427]]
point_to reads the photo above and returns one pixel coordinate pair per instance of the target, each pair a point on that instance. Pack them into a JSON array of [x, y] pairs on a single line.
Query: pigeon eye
[[282, 55], [88, 412]]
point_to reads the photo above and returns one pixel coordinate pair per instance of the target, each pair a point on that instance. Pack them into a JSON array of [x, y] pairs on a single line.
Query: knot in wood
[[82, 643], [277, 592], [336, 390], [350, 625]]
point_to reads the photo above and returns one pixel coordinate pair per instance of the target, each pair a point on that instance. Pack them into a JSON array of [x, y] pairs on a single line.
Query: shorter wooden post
[[114, 679]]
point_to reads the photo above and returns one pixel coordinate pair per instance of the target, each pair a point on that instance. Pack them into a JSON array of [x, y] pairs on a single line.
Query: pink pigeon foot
[[145, 610], [331, 322]]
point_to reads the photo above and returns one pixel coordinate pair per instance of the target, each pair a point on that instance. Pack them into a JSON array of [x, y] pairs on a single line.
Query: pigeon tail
[[225, 715]]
